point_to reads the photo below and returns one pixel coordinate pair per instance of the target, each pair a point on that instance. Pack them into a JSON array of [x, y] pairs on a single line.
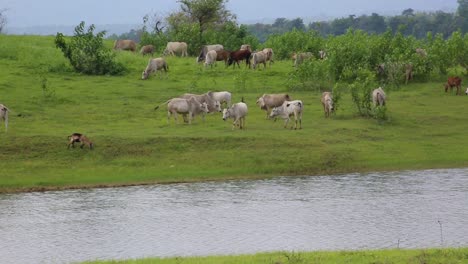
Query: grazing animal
[[205, 49], [259, 57], [301, 57], [222, 97], [269, 53], [322, 54], [147, 49], [246, 47], [378, 97], [154, 65], [288, 109], [239, 55], [79, 138], [453, 82], [268, 101], [327, 103], [172, 48], [408, 72], [238, 112], [213, 105], [190, 107], [125, 44], [210, 58], [223, 55], [4, 115]]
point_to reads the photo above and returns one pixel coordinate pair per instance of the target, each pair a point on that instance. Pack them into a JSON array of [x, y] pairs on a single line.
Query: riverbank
[[135, 145], [417, 256]]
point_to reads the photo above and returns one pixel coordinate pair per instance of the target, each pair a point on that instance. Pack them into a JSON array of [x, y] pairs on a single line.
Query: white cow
[[259, 57], [210, 58], [4, 115], [238, 112], [288, 109], [222, 97], [246, 47], [154, 65], [378, 97], [269, 53], [327, 103], [206, 48], [213, 105], [190, 107], [176, 47]]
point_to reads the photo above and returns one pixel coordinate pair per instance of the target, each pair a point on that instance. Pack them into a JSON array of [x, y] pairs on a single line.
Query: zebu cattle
[[210, 58], [327, 103], [223, 55], [79, 138], [378, 97], [322, 54], [190, 107], [408, 72], [301, 57], [453, 82], [173, 48], [4, 115], [205, 49], [268, 101], [246, 47], [288, 109], [154, 65], [259, 57], [222, 97], [269, 53], [125, 44], [213, 105], [147, 49], [239, 55], [238, 112]]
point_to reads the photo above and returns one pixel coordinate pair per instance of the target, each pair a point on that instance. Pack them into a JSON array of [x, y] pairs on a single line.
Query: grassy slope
[[358, 257], [134, 144]]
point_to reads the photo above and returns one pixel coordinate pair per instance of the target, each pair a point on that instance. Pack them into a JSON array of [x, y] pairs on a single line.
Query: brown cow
[[147, 49], [239, 55], [223, 55], [79, 138], [125, 44], [453, 82]]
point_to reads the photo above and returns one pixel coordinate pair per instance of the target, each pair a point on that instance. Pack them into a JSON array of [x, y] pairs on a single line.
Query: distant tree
[[206, 13], [280, 22], [462, 12], [297, 23], [408, 12], [3, 19]]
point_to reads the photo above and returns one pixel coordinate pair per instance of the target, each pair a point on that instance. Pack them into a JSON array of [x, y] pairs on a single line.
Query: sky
[[28, 13]]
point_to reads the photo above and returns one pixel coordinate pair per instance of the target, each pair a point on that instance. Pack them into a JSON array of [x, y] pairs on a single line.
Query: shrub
[[311, 75], [87, 52], [361, 91]]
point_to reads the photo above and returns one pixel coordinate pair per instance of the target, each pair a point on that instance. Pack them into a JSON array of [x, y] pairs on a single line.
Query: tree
[[3, 19], [206, 13], [298, 24], [408, 12], [462, 13]]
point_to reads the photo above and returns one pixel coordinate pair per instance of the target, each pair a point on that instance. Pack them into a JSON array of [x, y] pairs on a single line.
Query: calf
[[327, 103], [237, 112], [268, 101], [79, 138], [259, 57], [288, 109], [148, 49], [4, 115], [378, 97], [453, 82]]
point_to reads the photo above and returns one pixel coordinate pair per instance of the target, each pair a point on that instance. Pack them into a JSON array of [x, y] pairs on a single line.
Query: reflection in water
[[355, 211]]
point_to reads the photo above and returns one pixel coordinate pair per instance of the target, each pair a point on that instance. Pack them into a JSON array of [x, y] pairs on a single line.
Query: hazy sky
[[65, 12]]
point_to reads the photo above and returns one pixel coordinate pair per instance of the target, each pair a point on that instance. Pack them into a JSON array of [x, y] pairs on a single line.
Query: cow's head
[[276, 111], [217, 106], [329, 104], [261, 102], [144, 75], [226, 113], [204, 107]]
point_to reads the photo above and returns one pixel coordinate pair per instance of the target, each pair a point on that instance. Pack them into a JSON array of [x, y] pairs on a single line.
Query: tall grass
[[136, 145]]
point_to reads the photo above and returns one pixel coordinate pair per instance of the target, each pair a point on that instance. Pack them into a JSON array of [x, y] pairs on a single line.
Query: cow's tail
[[242, 99], [380, 99], [157, 107]]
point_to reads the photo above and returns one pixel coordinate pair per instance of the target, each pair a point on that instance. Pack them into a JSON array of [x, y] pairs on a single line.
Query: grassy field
[[359, 257], [135, 144]]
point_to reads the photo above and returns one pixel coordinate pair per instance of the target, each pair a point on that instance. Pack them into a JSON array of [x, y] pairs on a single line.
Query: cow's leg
[[286, 122], [190, 118], [300, 120], [168, 117]]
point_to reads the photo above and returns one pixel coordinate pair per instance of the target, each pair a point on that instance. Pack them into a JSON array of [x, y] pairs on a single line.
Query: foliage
[[87, 52], [311, 75], [361, 91], [295, 41]]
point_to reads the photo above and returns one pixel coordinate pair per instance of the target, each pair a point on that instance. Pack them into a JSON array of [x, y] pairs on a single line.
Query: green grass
[[426, 256], [136, 145]]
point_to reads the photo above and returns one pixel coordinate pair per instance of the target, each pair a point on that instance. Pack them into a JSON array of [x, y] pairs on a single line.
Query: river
[[408, 209]]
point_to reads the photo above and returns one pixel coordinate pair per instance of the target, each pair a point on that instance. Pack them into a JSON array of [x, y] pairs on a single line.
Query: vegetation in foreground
[[135, 145], [427, 256]]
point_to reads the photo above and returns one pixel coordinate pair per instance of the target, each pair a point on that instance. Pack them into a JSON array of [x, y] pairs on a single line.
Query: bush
[[311, 75], [361, 91], [87, 53]]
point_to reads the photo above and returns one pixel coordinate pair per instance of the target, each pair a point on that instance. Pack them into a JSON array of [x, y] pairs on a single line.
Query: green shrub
[[311, 75], [87, 52], [361, 91]]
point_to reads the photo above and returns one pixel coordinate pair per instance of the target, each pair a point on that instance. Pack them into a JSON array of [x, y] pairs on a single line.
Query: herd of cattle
[[275, 105]]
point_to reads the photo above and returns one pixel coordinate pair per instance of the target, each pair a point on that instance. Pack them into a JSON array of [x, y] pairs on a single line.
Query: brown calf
[[453, 82], [79, 138]]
